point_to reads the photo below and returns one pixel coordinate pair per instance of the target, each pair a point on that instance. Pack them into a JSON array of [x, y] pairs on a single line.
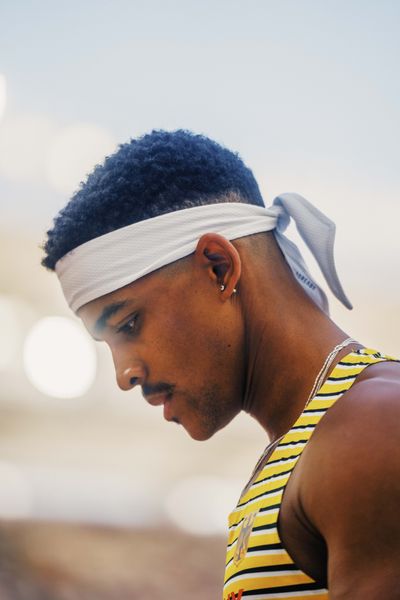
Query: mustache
[[158, 388]]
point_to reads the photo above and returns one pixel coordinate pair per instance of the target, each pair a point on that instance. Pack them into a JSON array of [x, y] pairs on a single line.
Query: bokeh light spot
[[59, 358]]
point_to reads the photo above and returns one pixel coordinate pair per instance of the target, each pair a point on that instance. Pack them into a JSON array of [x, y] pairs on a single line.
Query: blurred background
[[99, 496]]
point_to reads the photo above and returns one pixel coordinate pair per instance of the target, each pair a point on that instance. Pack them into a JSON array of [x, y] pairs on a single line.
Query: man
[[168, 254]]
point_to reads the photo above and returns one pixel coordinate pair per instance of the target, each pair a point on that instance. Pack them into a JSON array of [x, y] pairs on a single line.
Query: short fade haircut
[[160, 172]]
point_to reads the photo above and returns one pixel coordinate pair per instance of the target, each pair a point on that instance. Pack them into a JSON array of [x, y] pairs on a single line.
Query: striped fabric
[[258, 566]]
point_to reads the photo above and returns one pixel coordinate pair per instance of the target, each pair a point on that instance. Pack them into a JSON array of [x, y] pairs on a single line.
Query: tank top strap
[[339, 381]]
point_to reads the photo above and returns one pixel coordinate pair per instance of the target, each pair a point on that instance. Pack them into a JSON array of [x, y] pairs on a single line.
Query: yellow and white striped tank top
[[258, 567]]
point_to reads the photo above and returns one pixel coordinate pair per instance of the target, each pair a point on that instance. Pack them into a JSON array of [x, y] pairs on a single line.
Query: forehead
[[149, 287]]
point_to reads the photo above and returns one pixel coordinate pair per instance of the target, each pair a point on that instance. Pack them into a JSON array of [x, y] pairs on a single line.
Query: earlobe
[[221, 260], [222, 288]]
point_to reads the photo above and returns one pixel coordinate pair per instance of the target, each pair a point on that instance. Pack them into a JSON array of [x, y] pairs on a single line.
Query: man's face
[[171, 333]]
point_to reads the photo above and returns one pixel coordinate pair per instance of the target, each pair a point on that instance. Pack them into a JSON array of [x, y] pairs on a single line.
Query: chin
[[202, 434], [199, 435], [202, 426]]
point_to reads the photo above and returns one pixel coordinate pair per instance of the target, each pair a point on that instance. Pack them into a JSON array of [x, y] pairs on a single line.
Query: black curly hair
[[161, 172]]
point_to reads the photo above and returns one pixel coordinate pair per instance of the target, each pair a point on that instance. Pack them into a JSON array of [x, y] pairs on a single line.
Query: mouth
[[168, 415], [157, 399], [163, 399]]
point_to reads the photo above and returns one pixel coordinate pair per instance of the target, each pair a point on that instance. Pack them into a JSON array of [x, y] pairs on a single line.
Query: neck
[[288, 339]]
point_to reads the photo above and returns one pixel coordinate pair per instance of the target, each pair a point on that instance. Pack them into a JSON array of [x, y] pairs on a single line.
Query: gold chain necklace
[[319, 380]]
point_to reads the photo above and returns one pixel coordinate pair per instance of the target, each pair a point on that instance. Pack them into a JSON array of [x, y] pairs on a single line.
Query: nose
[[129, 377]]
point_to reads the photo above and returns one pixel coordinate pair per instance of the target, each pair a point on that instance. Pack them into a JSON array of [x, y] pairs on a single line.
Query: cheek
[[203, 343], [188, 333], [178, 340], [173, 342]]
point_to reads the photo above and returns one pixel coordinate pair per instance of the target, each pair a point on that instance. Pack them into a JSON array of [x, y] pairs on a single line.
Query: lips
[[163, 399], [168, 416], [157, 399]]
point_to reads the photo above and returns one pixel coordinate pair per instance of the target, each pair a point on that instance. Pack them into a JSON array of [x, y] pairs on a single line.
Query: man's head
[[174, 332], [156, 174], [144, 255]]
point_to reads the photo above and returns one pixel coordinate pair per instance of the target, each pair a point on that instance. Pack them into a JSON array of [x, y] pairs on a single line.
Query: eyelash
[[129, 327]]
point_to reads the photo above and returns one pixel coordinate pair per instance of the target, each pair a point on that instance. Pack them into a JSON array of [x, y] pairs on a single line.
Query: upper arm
[[351, 493]]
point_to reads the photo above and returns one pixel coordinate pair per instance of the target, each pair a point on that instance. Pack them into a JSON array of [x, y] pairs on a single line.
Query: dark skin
[[207, 354]]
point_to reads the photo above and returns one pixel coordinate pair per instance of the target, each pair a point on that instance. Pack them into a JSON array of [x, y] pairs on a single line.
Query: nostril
[[133, 380]]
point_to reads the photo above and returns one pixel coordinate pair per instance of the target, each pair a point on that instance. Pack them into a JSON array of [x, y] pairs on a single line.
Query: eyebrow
[[107, 312]]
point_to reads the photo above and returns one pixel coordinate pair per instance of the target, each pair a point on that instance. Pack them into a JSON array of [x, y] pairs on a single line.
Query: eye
[[129, 327]]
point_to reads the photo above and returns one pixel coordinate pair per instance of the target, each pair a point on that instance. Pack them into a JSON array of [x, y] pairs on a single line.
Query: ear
[[222, 261]]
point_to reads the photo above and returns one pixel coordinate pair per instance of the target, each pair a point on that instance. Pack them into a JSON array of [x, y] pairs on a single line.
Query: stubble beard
[[212, 410]]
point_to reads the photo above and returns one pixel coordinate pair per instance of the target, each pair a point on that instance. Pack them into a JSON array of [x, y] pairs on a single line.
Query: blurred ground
[[49, 561]]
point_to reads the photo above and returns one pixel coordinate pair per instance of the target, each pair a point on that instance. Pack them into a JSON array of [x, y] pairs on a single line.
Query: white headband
[[120, 257]]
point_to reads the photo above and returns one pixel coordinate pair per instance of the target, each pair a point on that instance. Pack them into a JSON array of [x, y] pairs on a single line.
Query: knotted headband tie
[[113, 260]]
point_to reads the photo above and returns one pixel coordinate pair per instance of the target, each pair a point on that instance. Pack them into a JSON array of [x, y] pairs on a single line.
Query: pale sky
[[307, 91]]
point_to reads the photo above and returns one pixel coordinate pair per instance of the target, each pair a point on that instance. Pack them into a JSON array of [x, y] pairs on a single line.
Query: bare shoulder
[[365, 414], [361, 431], [349, 489]]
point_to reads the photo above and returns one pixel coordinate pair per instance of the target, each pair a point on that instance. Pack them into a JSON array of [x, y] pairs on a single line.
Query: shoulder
[[361, 431], [350, 484], [364, 414]]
